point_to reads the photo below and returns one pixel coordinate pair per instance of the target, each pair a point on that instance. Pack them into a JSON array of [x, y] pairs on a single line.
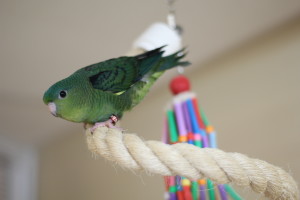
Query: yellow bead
[[185, 182]]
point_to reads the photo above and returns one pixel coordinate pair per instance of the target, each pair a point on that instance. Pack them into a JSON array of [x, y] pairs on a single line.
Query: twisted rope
[[192, 162]]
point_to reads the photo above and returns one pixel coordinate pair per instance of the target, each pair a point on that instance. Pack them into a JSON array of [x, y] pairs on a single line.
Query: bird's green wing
[[119, 74], [117, 78]]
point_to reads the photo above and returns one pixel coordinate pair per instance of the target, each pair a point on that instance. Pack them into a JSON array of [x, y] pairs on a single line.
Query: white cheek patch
[[52, 108]]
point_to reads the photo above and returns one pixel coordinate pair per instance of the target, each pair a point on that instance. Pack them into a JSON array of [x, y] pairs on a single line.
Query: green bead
[[211, 190], [232, 193], [204, 118], [198, 143], [172, 127], [195, 189], [172, 189]]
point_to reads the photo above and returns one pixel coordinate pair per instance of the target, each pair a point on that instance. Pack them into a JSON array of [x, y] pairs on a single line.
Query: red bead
[[190, 136], [179, 84]]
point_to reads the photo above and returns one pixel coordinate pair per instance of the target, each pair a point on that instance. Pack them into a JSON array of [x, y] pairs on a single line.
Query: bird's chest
[[102, 107]]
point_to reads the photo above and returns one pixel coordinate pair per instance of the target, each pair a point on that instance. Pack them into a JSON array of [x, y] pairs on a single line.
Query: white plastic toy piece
[[157, 35]]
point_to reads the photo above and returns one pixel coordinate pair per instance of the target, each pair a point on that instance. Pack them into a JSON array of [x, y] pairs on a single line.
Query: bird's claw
[[111, 123]]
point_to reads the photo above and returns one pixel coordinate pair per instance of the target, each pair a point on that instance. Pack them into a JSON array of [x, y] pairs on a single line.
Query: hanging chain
[[171, 14], [171, 17]]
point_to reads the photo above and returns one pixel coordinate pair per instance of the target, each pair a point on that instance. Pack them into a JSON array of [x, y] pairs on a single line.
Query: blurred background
[[246, 72]]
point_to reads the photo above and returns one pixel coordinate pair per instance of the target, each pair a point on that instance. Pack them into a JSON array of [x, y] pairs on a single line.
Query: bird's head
[[65, 99]]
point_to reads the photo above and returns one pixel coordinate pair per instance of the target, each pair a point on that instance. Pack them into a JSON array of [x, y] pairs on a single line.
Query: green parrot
[[99, 94]]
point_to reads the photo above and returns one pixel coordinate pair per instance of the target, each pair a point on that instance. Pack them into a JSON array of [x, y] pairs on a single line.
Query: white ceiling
[[45, 41]]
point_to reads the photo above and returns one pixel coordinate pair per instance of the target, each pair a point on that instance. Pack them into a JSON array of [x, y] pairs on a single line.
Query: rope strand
[[183, 159]]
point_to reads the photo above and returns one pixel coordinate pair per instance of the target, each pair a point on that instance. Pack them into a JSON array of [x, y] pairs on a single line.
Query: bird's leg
[[85, 125], [111, 123], [114, 119]]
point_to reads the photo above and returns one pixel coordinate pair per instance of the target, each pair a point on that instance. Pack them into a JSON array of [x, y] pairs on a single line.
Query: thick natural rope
[[183, 159]]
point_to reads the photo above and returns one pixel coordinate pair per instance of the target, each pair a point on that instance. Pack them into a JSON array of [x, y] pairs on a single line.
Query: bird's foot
[[111, 123]]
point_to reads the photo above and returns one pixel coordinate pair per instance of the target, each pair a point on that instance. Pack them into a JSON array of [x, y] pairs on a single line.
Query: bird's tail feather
[[148, 60], [137, 92], [173, 60]]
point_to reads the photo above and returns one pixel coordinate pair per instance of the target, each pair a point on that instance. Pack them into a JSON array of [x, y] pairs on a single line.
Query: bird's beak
[[52, 108]]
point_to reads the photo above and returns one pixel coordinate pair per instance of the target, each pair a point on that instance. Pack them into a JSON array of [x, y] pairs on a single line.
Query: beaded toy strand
[[185, 122]]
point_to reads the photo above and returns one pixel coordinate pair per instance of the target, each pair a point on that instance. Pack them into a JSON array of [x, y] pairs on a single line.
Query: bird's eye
[[62, 94]]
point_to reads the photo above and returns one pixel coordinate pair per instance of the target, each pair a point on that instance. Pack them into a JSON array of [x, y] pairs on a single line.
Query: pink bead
[[197, 137]]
